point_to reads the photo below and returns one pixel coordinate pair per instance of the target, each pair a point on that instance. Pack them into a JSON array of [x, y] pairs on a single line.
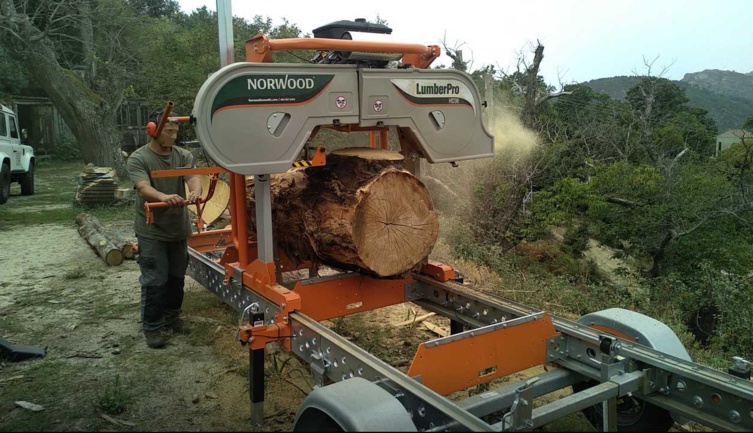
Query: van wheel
[[27, 181], [4, 183]]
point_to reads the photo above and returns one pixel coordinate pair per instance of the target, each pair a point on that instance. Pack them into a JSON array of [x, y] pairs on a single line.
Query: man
[[163, 245]]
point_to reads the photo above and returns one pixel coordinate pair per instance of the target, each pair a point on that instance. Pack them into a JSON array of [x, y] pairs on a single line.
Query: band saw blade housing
[[255, 118]]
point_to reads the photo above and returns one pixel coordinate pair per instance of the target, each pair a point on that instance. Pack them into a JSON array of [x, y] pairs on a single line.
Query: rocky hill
[[726, 95], [728, 83]]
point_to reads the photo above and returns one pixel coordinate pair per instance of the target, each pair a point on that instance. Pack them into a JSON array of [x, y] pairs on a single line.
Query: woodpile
[[362, 211], [96, 186], [108, 244]]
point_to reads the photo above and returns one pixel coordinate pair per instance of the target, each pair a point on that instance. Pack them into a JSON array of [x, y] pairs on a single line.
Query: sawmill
[[364, 213]]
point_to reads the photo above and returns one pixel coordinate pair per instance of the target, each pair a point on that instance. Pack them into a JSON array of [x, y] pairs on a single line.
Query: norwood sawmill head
[[255, 117]]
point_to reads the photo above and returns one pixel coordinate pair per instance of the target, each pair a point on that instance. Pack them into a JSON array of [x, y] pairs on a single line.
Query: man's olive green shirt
[[172, 223]]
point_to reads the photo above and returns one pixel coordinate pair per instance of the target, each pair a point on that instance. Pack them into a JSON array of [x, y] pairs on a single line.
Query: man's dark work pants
[[163, 268]]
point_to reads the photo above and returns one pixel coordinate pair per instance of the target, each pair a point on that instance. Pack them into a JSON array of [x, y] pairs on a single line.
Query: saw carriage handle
[[200, 203]]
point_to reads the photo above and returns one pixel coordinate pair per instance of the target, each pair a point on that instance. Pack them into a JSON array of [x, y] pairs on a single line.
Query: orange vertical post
[[384, 139], [233, 212], [240, 219]]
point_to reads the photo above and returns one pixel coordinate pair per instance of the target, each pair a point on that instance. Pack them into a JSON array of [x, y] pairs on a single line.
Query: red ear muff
[[151, 129]]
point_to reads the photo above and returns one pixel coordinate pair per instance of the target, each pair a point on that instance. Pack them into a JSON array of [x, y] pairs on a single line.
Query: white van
[[16, 160]]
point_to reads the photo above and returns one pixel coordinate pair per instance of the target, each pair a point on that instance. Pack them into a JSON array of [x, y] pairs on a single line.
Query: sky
[[583, 39]]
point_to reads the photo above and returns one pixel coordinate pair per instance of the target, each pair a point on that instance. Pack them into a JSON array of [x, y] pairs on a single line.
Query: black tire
[[27, 181], [633, 414], [4, 183]]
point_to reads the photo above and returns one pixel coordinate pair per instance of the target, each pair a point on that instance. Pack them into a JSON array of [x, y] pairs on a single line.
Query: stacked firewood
[[108, 244], [96, 185]]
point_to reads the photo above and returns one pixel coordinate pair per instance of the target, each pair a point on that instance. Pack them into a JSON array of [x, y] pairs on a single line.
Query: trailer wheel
[[315, 420], [354, 404], [633, 414]]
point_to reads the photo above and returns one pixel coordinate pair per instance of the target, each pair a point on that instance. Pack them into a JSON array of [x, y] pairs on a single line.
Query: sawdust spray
[[452, 188], [510, 136]]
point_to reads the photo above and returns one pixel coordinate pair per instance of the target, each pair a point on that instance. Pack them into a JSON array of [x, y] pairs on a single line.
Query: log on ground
[[125, 247], [362, 211], [109, 252]]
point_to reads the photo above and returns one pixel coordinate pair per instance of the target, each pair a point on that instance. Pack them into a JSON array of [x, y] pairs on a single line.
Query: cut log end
[[114, 257], [127, 250], [361, 211], [108, 245], [394, 223]]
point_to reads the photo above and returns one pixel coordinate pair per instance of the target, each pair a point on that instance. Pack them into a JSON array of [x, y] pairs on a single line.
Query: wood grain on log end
[[394, 223], [362, 211]]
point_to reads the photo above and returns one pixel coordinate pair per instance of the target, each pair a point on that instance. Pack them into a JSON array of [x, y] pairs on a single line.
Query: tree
[[639, 175], [183, 50], [456, 54], [587, 126], [531, 86], [80, 54], [637, 209], [688, 128], [14, 76], [155, 8]]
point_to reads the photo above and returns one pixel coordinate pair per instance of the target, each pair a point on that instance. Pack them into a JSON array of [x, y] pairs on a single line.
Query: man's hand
[[193, 196], [174, 200]]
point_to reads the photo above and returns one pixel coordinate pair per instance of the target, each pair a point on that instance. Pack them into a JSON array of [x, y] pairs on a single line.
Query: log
[[125, 247], [362, 211], [109, 252]]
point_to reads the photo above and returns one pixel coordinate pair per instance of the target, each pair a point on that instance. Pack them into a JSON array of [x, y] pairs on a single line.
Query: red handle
[[148, 206]]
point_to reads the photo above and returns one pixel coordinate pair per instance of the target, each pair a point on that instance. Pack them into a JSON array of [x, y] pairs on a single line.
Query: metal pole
[[225, 27], [255, 357], [256, 379], [263, 192], [489, 97]]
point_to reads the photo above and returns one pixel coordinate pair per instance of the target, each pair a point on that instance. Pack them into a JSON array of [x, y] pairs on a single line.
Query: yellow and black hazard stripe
[[319, 159]]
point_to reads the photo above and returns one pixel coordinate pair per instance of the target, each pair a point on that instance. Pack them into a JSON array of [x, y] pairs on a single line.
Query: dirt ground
[[56, 293]]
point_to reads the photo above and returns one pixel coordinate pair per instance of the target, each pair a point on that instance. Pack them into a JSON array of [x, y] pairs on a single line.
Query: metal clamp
[[319, 369], [520, 417]]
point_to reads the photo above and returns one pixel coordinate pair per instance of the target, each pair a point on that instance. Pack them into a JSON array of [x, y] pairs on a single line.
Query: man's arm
[[194, 188], [193, 181], [139, 175], [151, 194]]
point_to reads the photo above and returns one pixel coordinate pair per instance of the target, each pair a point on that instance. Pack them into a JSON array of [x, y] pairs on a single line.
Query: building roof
[[736, 133]]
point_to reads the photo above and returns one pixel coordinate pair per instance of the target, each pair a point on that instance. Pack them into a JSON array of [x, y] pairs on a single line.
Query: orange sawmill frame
[[355, 293], [259, 48]]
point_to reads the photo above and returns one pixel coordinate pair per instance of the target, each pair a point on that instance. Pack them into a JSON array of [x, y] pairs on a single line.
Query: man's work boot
[[178, 326], [154, 339]]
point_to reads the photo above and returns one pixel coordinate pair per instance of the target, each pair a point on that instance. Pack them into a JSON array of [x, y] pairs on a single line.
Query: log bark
[[125, 247], [362, 211], [109, 252]]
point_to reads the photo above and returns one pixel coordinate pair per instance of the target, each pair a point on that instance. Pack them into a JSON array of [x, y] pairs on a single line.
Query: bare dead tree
[[456, 54], [525, 80]]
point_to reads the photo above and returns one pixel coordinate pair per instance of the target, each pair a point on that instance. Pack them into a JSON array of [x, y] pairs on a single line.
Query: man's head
[[169, 133]]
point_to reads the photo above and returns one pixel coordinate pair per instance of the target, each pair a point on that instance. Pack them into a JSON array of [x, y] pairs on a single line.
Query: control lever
[[200, 203]]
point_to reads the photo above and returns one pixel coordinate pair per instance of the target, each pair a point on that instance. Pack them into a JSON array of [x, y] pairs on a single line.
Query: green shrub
[[66, 149]]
